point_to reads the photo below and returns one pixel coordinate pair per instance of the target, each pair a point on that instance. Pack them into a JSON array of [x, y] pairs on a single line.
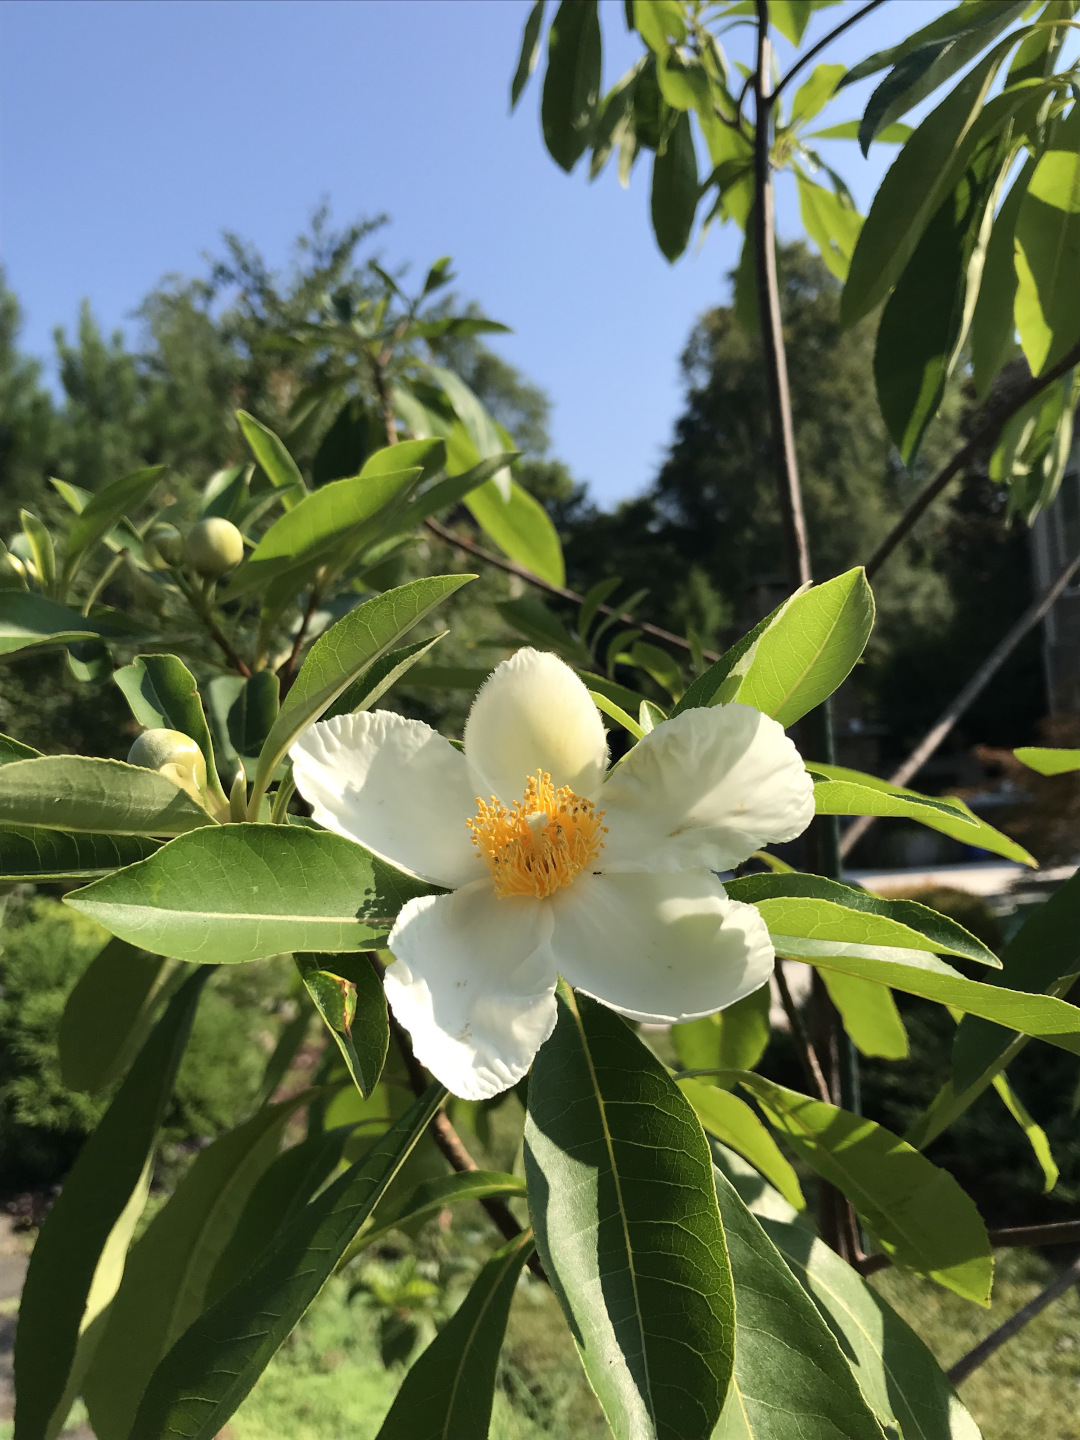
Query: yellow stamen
[[539, 843]]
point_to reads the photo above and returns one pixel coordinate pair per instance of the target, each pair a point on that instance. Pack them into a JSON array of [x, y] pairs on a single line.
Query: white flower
[[609, 883]]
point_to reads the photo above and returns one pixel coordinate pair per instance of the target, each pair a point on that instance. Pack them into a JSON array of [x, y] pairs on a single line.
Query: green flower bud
[[214, 546], [163, 547], [173, 754]]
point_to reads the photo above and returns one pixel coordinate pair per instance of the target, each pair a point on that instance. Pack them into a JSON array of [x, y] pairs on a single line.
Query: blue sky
[[132, 132]]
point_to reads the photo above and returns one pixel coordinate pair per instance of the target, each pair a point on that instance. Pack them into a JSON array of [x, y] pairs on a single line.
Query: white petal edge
[[533, 713], [396, 786], [473, 982], [703, 791], [661, 947]]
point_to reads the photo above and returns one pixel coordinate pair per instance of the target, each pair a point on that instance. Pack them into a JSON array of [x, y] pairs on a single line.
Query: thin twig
[[821, 44], [971, 691], [807, 1054], [446, 1138], [959, 1372], [511, 567], [990, 429], [212, 628], [1062, 1232], [287, 670]]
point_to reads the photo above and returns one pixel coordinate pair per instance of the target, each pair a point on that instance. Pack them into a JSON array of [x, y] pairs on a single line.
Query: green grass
[[1031, 1386], [327, 1382]]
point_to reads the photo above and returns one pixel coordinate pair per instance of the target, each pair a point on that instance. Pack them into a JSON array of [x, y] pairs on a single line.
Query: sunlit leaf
[[233, 893]]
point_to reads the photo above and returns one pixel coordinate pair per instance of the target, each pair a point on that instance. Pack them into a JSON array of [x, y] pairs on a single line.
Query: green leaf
[[76, 1231], [902, 1382], [349, 997], [616, 713], [1048, 251], [251, 716], [34, 855], [233, 893], [41, 548], [807, 651], [28, 620], [831, 221], [277, 464], [165, 1281], [341, 653], [1042, 1017], [377, 679], [163, 693], [218, 1359], [918, 1212], [109, 1012], [81, 793], [1036, 1135], [925, 171], [923, 324], [869, 1015], [814, 93], [627, 1226], [1048, 761], [851, 792], [432, 1196], [101, 513], [519, 525], [675, 190], [334, 514], [791, 18], [731, 1120], [278, 1196], [572, 82], [346, 444], [920, 71], [530, 52], [1044, 952], [993, 325], [450, 491], [450, 1389], [225, 494], [732, 1039], [808, 905], [811, 1391], [15, 750], [968, 16], [659, 23]]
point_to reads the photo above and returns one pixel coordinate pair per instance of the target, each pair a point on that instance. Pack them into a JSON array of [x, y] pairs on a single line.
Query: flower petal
[[534, 714], [474, 984], [662, 947], [703, 791], [396, 786]]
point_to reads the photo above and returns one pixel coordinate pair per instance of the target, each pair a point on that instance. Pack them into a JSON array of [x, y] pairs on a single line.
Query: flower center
[[540, 842]]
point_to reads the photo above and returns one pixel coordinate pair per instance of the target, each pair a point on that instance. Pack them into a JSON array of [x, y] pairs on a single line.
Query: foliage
[[295, 584]]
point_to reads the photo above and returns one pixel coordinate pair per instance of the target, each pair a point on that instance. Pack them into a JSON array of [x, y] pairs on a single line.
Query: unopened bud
[[173, 754], [163, 547], [214, 546]]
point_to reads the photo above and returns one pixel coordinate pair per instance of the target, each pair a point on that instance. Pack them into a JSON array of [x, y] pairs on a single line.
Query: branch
[[1062, 1232], [511, 567], [446, 1138], [807, 1054], [772, 335], [287, 670], [994, 1341], [971, 691], [213, 629], [821, 44], [990, 429]]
